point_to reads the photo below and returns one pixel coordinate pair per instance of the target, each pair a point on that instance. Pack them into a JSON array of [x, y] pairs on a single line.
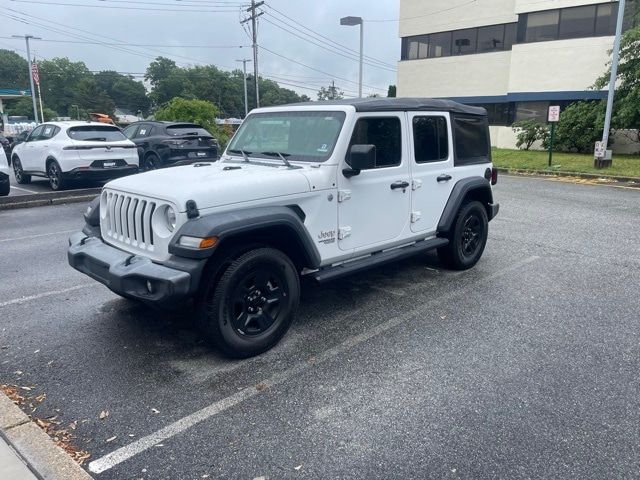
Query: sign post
[[553, 117]]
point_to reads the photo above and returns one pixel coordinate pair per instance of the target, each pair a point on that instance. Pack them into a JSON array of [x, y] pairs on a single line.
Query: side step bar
[[331, 273]]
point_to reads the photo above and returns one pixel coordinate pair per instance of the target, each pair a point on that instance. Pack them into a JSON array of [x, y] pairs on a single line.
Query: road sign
[[554, 113], [600, 150]]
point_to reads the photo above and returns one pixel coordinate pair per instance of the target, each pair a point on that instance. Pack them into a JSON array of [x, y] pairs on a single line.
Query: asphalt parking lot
[[41, 185], [524, 367]]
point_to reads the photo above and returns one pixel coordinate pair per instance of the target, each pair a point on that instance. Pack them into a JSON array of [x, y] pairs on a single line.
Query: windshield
[[299, 136], [95, 133]]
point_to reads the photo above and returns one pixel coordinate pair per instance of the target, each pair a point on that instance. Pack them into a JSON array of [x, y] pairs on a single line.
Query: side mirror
[[361, 157]]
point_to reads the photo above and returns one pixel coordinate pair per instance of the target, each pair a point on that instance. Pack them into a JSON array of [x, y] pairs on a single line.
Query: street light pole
[[352, 21], [244, 77], [33, 91], [601, 162]]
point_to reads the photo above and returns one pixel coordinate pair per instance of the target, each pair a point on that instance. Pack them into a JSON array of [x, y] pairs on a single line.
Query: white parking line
[[17, 301], [23, 189], [28, 237], [144, 443]]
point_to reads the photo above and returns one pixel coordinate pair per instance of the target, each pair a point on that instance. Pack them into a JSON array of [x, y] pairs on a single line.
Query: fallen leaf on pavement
[[298, 467], [104, 414]]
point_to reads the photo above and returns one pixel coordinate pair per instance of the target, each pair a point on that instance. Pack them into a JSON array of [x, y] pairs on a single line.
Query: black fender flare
[[478, 187], [226, 225]]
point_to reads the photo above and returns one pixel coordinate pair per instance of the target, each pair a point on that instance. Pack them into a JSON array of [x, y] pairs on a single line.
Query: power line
[[137, 44], [182, 10], [326, 39]]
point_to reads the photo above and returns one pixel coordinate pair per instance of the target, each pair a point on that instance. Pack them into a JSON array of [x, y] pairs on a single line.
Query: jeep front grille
[[127, 220]]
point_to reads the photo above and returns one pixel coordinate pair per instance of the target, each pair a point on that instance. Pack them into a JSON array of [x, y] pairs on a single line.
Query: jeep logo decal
[[327, 236]]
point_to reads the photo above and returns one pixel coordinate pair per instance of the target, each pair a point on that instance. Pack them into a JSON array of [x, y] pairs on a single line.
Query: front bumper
[[134, 275], [91, 173]]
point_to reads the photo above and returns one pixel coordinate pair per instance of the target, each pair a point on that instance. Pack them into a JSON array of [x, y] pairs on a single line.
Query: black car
[[162, 144], [6, 145]]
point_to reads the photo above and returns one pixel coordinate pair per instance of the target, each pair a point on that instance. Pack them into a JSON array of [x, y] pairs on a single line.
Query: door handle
[[444, 178], [400, 184]]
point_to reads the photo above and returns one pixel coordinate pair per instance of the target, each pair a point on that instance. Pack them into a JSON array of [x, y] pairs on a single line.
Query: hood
[[215, 184]]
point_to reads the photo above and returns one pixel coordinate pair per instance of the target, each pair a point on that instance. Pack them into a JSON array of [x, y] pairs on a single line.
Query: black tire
[[57, 181], [151, 162], [468, 238], [21, 178], [253, 303]]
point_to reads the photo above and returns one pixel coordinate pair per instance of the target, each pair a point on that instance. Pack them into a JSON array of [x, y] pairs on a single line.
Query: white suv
[[65, 151], [317, 190], [5, 187]]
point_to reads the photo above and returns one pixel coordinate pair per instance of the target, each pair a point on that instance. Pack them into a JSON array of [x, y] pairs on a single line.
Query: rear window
[[179, 130], [93, 133], [471, 136]]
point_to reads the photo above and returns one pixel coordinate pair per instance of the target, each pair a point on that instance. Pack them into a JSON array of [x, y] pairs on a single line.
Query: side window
[[430, 139], [471, 139], [35, 134], [130, 131], [383, 132], [143, 131], [49, 132]]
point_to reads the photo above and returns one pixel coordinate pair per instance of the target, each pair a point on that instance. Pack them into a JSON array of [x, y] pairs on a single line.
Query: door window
[[430, 139], [130, 131], [35, 134], [143, 131], [383, 132], [49, 131]]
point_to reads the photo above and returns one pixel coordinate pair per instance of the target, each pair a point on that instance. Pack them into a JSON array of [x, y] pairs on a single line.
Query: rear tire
[[21, 178], [252, 305], [467, 239], [151, 162], [57, 181]]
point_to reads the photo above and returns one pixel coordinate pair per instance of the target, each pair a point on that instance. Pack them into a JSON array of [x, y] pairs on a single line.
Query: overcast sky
[[192, 24]]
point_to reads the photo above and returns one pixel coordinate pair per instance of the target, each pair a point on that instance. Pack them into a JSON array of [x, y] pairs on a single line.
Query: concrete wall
[[481, 74], [561, 65]]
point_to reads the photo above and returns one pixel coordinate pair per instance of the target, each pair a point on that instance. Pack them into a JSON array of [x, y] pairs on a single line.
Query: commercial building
[[513, 57]]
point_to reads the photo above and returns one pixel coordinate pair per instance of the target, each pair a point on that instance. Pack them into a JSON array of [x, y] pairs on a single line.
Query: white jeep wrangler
[[317, 190]]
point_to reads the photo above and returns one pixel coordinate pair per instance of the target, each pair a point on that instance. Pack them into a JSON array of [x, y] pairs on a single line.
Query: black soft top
[[375, 104]]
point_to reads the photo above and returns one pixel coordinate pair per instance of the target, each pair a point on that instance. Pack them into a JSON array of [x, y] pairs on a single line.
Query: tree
[[626, 109], [24, 107], [528, 132], [391, 92], [60, 79], [125, 92], [13, 71], [195, 111], [330, 93]]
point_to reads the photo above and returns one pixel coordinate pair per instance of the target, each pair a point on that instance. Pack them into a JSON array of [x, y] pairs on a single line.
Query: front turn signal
[[197, 242]]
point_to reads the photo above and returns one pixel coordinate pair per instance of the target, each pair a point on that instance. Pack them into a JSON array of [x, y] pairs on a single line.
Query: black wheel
[[252, 305], [468, 238], [151, 162], [54, 174], [21, 178]]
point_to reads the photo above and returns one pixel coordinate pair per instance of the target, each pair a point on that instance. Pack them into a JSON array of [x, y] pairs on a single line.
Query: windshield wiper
[[281, 155], [244, 154]]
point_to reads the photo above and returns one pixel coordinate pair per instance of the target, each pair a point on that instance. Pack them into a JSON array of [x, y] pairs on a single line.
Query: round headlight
[[170, 217]]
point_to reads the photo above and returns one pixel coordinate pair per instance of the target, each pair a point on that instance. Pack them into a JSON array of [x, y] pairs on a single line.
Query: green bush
[[580, 126], [195, 111], [528, 132]]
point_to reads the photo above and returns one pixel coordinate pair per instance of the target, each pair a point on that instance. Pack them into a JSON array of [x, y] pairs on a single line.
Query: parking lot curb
[[51, 198], [553, 173], [34, 446]]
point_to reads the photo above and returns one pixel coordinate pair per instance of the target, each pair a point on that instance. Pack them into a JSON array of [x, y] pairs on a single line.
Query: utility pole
[[351, 22], [601, 160], [333, 89], [244, 77], [254, 35], [33, 91]]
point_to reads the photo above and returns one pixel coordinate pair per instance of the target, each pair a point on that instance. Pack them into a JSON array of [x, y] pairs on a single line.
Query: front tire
[[56, 179], [253, 304], [468, 238], [21, 178]]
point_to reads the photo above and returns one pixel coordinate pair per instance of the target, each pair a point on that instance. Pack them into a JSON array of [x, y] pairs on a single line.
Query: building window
[[491, 39], [465, 41], [577, 22], [430, 139], [385, 134], [510, 34], [542, 26], [440, 44], [606, 19]]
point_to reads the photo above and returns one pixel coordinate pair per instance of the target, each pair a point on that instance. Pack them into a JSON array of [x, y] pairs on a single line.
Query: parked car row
[[67, 151]]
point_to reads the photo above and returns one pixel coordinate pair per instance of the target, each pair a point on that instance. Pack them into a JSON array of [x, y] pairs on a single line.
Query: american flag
[[35, 73]]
